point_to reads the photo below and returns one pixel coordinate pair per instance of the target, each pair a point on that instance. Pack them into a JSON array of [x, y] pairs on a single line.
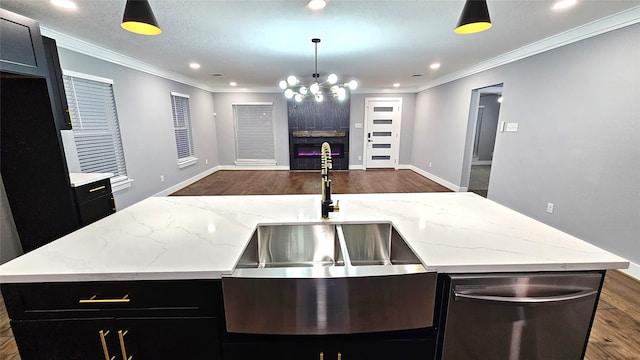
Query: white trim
[[481, 162], [178, 186], [180, 95], [633, 270], [404, 167], [188, 161], [255, 162], [601, 26], [440, 181], [86, 48], [253, 103], [356, 167], [120, 184], [76, 74], [253, 167]]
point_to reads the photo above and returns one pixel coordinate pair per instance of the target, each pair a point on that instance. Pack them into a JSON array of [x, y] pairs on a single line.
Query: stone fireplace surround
[[311, 124]]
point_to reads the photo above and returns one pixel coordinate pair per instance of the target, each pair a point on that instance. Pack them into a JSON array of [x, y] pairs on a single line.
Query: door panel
[[382, 132], [65, 339]]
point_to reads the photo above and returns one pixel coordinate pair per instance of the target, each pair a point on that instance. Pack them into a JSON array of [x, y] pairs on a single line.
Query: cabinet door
[[268, 348], [21, 50], [168, 338], [412, 349], [58, 97], [65, 339]]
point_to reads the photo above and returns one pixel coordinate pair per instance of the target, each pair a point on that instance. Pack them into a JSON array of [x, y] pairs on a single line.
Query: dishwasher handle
[[526, 299]]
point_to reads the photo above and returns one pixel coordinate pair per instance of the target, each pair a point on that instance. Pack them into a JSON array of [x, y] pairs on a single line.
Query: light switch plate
[[512, 127], [358, 125]]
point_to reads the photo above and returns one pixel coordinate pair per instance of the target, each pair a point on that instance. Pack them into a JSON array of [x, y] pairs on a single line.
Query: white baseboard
[[187, 182], [481, 162], [440, 181], [356, 167], [633, 270], [404, 167], [253, 167]]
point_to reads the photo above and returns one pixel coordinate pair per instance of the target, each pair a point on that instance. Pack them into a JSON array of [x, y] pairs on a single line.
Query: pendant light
[[296, 89], [139, 18], [474, 17]]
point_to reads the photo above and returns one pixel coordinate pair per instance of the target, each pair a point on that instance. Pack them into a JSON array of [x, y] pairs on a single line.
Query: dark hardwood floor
[[616, 330], [239, 182]]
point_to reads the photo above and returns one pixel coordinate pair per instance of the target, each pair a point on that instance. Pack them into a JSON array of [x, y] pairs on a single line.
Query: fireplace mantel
[[325, 133]]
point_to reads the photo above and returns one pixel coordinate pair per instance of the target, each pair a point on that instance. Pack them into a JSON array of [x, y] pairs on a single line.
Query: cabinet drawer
[[96, 209], [93, 190], [116, 298]]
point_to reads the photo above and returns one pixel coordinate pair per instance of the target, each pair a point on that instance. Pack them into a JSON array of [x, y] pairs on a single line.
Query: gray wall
[[356, 136], [225, 128], [577, 144], [487, 136], [143, 103]]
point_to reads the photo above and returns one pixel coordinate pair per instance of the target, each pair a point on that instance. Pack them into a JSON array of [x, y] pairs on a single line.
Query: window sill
[[183, 163], [120, 183]]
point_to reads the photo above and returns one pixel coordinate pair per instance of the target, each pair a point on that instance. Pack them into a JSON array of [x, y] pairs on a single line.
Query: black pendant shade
[[139, 18], [474, 17]]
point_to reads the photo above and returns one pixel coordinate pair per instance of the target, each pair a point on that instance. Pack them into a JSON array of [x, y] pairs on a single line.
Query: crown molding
[[601, 26], [83, 47]]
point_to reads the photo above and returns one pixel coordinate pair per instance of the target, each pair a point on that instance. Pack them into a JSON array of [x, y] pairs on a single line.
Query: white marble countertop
[[202, 237], [79, 179]]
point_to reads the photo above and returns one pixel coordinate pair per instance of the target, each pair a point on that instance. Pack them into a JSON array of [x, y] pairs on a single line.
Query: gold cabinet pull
[[121, 335], [97, 188], [103, 340], [339, 356], [321, 356], [93, 300]]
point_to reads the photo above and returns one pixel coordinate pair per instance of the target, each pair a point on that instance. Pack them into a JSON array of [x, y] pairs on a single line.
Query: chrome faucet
[[327, 203]]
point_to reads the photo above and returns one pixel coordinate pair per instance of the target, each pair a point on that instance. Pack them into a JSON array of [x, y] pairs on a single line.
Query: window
[[182, 129], [254, 134], [95, 126]]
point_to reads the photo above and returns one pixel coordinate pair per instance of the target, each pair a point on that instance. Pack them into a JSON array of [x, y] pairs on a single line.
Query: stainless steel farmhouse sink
[[282, 246], [326, 278]]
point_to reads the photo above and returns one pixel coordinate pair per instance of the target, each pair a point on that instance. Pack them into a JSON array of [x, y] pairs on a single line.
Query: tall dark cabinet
[[34, 169]]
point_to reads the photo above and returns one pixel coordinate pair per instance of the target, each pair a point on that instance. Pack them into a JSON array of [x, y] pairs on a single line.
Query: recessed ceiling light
[[233, 83], [563, 4], [65, 4], [316, 4], [435, 66], [194, 65], [396, 85]]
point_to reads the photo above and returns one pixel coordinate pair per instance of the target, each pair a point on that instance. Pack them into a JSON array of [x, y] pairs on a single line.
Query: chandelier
[[294, 88]]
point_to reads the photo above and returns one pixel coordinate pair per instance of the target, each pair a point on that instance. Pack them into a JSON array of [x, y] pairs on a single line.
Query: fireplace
[[301, 151], [311, 124]]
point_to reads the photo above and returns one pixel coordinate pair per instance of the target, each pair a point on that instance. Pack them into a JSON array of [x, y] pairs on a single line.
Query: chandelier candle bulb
[[294, 88]]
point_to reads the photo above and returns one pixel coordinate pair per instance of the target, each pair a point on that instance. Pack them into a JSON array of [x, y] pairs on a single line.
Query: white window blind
[[254, 134], [182, 129], [95, 125]]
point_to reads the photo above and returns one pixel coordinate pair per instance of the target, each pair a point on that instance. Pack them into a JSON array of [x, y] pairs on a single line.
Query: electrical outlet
[[429, 163], [161, 178], [550, 208], [359, 157], [206, 162]]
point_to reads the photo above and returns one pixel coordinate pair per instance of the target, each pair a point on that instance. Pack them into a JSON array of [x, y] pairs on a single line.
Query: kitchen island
[[171, 252]]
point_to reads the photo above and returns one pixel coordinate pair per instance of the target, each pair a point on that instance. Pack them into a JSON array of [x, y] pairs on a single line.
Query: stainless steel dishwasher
[[520, 316]]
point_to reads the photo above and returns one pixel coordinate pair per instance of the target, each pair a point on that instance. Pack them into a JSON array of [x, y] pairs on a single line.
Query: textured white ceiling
[[258, 43]]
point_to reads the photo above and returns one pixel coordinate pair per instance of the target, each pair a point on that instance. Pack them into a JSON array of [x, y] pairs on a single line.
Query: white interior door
[[382, 132]]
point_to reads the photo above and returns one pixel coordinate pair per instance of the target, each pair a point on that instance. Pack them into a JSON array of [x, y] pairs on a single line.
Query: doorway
[[382, 132], [483, 121]]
